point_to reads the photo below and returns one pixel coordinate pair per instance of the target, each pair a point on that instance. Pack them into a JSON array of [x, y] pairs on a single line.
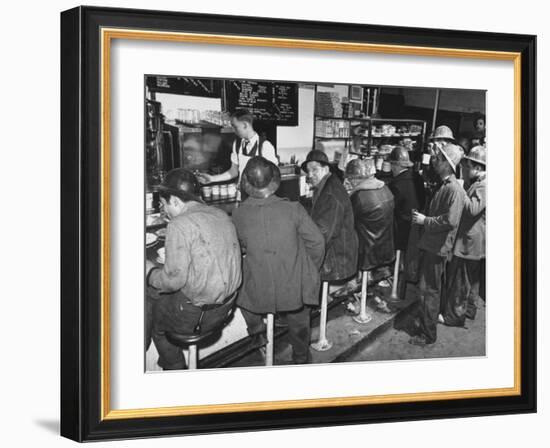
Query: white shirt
[[239, 159]]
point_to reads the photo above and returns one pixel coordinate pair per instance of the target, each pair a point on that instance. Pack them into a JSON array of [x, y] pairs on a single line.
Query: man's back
[[333, 214], [203, 256], [373, 209], [284, 250], [408, 195]]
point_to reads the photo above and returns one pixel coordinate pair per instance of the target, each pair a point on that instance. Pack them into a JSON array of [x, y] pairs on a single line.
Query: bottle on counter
[[232, 191], [215, 192], [223, 192], [207, 192]]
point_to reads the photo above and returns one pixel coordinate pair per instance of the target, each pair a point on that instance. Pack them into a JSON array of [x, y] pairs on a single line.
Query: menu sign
[[211, 88], [268, 101]]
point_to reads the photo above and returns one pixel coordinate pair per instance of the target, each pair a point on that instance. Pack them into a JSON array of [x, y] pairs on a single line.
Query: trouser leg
[[175, 313], [402, 280], [167, 316], [458, 287], [299, 332], [148, 322], [170, 356], [430, 286], [482, 293], [474, 268], [254, 322]]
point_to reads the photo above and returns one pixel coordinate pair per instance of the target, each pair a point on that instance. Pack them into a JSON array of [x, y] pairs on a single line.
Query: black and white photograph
[[273, 223], [293, 222]]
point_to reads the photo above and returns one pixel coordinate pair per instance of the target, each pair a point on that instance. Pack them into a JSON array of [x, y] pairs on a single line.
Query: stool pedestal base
[[322, 345]]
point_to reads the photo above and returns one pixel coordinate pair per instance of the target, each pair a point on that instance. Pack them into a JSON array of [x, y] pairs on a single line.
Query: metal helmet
[[400, 156], [477, 154], [443, 132], [182, 183], [453, 153], [361, 168], [261, 178], [182, 179]]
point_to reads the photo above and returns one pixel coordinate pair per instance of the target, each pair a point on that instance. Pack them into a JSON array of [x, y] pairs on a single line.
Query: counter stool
[[394, 295], [269, 345], [363, 317], [323, 344], [191, 340]]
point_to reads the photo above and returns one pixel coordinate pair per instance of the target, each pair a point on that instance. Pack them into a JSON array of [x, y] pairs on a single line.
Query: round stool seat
[[198, 335], [183, 340]]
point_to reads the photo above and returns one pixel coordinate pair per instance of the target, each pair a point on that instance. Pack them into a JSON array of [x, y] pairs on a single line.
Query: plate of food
[[150, 239], [155, 219], [161, 256]]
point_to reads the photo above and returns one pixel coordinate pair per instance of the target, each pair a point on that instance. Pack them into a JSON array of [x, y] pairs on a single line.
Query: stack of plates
[[161, 256]]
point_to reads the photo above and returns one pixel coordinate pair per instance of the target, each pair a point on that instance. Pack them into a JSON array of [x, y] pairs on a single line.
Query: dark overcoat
[[408, 194], [373, 209], [284, 251], [332, 212]]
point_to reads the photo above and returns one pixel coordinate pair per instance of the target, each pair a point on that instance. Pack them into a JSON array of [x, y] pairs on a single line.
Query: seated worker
[[331, 210], [284, 251], [247, 145], [202, 269], [464, 273], [373, 205], [439, 225]]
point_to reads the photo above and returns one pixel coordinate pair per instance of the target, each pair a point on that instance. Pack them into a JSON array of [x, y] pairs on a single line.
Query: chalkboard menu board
[[268, 101], [211, 88]]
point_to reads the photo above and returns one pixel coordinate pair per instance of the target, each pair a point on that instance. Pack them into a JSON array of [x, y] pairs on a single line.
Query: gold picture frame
[[104, 26]]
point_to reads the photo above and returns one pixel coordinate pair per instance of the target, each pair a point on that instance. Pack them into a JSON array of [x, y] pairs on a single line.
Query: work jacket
[[283, 250], [470, 239], [442, 218], [373, 204], [408, 194], [331, 210], [203, 257]]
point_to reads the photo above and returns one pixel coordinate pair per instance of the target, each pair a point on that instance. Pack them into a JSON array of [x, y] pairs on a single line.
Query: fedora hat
[[261, 178], [315, 155], [443, 132]]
